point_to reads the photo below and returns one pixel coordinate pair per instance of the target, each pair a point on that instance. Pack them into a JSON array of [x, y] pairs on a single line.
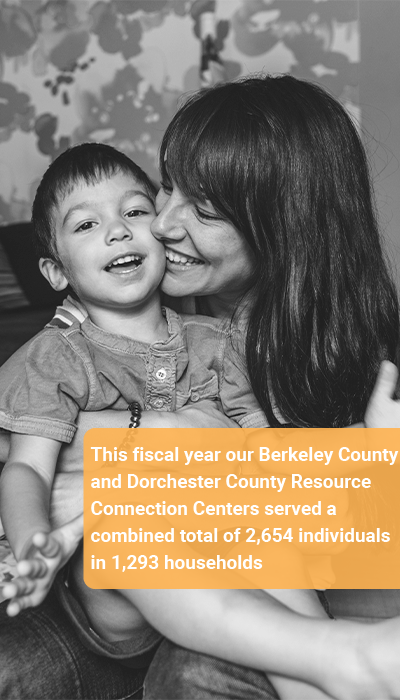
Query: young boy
[[91, 218]]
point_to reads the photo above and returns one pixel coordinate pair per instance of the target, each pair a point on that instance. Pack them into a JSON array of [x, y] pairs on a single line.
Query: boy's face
[[103, 239]]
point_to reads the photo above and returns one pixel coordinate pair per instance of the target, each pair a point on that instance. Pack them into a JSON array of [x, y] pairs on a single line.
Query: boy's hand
[[383, 411], [66, 501], [45, 556]]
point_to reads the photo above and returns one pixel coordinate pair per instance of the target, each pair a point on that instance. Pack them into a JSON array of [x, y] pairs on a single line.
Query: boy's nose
[[117, 231]]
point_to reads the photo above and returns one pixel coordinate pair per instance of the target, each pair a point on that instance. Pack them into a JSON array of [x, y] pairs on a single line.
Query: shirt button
[[195, 396], [158, 403], [161, 374]]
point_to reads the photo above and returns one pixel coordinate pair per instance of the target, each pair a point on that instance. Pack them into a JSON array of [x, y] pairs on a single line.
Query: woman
[[288, 172], [279, 161], [266, 212]]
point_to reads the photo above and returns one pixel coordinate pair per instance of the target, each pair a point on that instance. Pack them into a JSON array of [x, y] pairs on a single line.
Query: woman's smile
[[180, 261], [213, 254]]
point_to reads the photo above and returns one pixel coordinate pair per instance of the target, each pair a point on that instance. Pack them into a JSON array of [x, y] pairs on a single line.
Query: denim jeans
[[179, 674], [368, 604], [41, 658]]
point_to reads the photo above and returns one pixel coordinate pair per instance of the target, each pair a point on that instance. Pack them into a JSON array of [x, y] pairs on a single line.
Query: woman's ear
[[52, 271]]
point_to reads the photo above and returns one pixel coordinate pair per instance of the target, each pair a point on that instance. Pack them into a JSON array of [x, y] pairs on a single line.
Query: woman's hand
[[383, 411]]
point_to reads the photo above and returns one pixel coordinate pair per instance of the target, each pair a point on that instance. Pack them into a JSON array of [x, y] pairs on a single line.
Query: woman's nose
[[168, 224], [117, 231]]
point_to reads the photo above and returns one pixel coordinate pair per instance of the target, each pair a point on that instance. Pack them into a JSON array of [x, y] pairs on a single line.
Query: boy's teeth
[[125, 259]]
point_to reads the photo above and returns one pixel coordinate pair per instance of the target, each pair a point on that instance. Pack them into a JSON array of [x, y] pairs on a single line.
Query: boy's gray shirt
[[80, 367]]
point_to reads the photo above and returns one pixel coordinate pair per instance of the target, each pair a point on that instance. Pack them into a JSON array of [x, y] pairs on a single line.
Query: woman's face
[[206, 255]]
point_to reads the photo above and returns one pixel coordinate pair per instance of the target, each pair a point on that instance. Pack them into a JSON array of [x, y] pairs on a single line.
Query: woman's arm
[[337, 657], [382, 412], [67, 493], [348, 661], [204, 415]]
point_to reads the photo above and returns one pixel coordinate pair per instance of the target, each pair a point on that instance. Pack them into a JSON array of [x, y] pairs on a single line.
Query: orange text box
[[241, 509]]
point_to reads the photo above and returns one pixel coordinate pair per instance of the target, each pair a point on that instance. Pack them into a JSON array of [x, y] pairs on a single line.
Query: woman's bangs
[[185, 163], [197, 153]]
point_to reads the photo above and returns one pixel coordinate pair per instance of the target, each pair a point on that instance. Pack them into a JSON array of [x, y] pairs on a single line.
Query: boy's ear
[[52, 271]]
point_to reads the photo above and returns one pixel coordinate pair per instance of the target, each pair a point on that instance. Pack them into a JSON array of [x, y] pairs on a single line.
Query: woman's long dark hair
[[282, 161]]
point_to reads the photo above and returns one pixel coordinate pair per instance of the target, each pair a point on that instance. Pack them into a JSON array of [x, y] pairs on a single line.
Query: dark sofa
[[17, 325]]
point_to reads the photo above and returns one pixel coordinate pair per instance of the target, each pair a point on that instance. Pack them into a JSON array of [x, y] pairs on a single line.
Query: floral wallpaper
[[114, 70]]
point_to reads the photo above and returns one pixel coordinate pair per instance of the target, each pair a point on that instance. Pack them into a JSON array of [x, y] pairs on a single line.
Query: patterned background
[[113, 71]]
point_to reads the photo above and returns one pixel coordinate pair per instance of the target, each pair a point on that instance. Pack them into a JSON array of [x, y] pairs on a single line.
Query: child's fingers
[[33, 568], [9, 590], [23, 593], [19, 587], [15, 606], [47, 544]]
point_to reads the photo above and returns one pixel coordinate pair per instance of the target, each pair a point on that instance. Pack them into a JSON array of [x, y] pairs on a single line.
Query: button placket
[[160, 382], [158, 403]]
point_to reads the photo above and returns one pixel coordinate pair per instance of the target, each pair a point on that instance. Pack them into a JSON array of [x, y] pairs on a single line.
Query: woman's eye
[[206, 215], [86, 226], [166, 186]]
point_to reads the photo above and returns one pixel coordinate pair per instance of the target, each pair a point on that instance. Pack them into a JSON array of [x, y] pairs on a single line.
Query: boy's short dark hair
[[89, 162]]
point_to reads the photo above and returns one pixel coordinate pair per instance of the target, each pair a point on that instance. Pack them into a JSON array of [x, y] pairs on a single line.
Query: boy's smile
[[123, 264], [107, 252]]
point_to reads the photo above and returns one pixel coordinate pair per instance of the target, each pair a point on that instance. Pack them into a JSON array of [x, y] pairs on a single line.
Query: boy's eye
[[133, 213], [86, 226]]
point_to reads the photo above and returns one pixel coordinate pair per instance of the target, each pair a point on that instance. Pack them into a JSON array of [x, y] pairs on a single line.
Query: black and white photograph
[[199, 229]]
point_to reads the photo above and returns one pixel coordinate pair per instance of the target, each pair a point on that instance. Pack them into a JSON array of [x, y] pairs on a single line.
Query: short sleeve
[[43, 386], [237, 398]]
